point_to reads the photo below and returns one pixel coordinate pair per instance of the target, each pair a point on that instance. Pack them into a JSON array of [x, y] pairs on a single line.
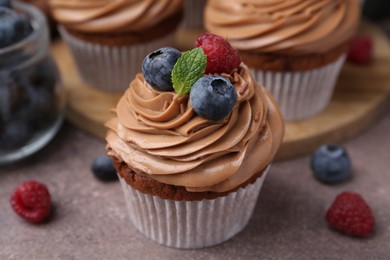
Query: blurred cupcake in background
[[295, 48], [110, 38]]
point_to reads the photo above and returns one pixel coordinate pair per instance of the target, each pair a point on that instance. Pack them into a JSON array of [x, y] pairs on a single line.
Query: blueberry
[[13, 27], [213, 97], [15, 134], [157, 67], [43, 107], [18, 96], [103, 168], [5, 3], [5, 81], [13, 96], [39, 107], [44, 75], [331, 164]]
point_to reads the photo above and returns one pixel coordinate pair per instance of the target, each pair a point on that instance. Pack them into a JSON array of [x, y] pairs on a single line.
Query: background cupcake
[[192, 165], [295, 48], [109, 38]]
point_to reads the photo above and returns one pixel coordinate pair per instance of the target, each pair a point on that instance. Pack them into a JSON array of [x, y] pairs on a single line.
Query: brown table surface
[[90, 219]]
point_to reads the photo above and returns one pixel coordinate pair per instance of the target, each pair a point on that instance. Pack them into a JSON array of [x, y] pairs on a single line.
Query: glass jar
[[32, 100]]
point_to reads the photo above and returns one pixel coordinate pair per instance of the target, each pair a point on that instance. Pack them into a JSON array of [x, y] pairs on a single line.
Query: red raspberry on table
[[360, 50], [31, 200], [351, 215], [221, 56]]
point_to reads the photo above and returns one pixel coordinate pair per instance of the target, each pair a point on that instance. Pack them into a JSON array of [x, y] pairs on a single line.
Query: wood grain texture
[[362, 95]]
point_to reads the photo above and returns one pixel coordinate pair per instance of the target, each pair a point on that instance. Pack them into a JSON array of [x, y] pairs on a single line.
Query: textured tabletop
[[90, 219]]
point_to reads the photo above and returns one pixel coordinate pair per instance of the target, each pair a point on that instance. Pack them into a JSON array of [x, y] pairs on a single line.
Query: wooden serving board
[[362, 95]]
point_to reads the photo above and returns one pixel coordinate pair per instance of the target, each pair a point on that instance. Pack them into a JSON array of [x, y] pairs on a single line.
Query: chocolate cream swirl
[[159, 134], [113, 16], [287, 27]]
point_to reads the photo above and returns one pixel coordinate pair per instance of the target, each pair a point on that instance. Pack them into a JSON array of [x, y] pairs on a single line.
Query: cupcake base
[[192, 224], [110, 68], [301, 95]]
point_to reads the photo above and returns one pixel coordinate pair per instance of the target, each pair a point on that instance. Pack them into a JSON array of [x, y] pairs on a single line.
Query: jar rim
[[37, 21]]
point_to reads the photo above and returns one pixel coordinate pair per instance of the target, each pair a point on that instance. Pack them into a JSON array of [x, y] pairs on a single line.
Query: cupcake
[[192, 140], [110, 38], [295, 48]]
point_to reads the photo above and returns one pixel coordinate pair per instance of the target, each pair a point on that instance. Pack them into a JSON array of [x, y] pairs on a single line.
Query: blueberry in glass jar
[[31, 96], [14, 27], [5, 3]]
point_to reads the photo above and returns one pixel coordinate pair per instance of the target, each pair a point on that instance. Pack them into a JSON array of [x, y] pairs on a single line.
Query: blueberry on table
[[157, 67], [331, 164], [103, 168], [213, 97], [14, 27]]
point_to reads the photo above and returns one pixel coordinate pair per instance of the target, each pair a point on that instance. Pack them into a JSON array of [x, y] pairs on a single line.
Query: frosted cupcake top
[[162, 133], [173, 145], [113, 16], [280, 26]]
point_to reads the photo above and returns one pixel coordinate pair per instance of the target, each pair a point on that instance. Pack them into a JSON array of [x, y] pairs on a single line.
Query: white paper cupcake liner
[[192, 224], [110, 68], [301, 95], [193, 14]]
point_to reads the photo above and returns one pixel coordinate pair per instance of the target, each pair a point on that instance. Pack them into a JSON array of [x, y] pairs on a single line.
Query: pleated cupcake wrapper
[[301, 95], [110, 68], [192, 224], [193, 14]]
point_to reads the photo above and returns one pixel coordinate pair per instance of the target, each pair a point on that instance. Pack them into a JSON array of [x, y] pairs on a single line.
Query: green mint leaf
[[188, 69]]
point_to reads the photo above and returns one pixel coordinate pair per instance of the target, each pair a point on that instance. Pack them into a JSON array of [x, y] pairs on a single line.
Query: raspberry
[[221, 56], [351, 215], [360, 50], [31, 201]]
